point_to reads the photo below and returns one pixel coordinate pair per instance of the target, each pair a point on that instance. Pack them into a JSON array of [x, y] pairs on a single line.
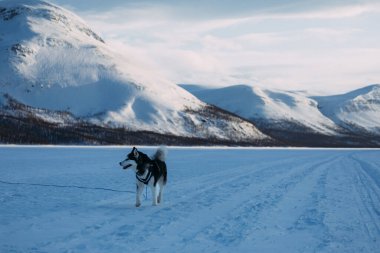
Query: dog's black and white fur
[[149, 172]]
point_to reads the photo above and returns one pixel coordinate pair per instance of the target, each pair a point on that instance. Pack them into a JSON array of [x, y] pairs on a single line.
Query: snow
[[59, 63], [328, 115], [257, 104], [77, 199], [358, 108], [51, 59]]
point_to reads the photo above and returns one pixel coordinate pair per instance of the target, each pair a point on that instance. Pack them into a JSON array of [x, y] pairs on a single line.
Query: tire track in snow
[[211, 180], [219, 188], [229, 224], [334, 223], [194, 206], [120, 232], [235, 227], [312, 216], [368, 191], [333, 220]]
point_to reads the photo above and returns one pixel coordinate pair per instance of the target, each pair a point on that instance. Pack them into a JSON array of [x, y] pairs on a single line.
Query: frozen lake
[[65, 199]]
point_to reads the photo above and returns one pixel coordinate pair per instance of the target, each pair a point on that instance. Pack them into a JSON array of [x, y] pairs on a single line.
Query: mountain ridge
[[62, 81], [52, 61], [355, 109], [294, 117]]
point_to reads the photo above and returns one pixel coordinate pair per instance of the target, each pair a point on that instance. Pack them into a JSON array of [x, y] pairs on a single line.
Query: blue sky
[[328, 46]]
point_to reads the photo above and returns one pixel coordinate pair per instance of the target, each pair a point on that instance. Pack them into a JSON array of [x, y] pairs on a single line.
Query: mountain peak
[[34, 34], [39, 11], [362, 91], [50, 59]]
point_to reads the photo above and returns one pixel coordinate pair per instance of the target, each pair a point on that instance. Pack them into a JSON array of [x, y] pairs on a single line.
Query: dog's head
[[131, 160]]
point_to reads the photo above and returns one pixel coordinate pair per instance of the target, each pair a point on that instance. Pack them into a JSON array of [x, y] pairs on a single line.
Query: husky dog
[[149, 172]]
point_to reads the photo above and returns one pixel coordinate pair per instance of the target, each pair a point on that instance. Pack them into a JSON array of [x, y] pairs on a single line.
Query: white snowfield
[[216, 200]]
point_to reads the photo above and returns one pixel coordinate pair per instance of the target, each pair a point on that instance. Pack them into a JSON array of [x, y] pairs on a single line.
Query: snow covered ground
[[57, 199]]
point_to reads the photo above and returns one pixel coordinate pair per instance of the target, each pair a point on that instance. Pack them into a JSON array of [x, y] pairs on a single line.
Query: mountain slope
[[50, 54], [50, 59], [358, 110], [259, 104], [299, 119]]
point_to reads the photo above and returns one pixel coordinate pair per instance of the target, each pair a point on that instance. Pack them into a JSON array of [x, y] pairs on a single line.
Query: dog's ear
[[135, 152]]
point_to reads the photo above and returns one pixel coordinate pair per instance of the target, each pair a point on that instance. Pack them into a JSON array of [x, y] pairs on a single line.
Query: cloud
[[337, 12], [307, 47], [217, 9]]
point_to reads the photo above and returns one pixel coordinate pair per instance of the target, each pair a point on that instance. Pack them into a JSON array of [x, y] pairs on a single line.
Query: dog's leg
[[139, 191], [154, 195], [160, 194]]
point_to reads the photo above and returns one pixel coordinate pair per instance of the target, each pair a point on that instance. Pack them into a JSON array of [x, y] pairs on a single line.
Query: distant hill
[[351, 119]]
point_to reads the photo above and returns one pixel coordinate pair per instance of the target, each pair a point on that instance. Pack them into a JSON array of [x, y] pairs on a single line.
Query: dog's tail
[[160, 154]]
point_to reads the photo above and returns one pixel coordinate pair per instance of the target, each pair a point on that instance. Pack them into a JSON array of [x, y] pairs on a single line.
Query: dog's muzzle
[[125, 165]]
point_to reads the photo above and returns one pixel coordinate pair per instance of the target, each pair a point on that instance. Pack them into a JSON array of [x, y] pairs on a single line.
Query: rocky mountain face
[[55, 70]]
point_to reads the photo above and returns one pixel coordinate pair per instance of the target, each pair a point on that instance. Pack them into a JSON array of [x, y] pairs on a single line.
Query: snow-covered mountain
[[51, 60], [358, 110], [57, 72], [300, 118], [259, 104]]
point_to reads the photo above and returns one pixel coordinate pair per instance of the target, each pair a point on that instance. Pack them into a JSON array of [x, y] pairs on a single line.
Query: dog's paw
[[138, 204]]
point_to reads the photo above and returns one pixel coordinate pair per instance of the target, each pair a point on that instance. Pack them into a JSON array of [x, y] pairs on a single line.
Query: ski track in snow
[[222, 200]]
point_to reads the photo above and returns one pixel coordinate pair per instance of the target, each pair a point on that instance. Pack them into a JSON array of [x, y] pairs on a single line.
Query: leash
[[64, 186]]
